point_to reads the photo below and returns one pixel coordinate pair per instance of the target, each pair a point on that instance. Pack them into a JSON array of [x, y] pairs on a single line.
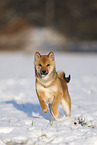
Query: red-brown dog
[[51, 86]]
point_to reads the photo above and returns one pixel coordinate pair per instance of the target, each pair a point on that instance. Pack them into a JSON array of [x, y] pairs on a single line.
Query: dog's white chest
[[49, 92]]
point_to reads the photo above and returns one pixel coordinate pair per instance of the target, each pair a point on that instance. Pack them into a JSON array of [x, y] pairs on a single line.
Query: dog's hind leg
[[66, 104]]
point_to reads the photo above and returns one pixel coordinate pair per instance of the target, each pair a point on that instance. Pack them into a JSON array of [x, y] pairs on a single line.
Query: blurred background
[[63, 25]]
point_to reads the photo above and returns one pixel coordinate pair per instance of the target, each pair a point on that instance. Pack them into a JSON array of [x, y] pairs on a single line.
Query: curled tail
[[67, 79], [61, 74]]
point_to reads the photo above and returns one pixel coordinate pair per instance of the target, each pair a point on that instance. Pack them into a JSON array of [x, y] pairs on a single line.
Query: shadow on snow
[[30, 109], [34, 110]]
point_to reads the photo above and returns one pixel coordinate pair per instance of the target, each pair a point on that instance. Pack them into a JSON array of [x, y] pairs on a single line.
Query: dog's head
[[44, 64]]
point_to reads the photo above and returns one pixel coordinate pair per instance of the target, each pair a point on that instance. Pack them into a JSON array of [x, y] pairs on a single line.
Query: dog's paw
[[55, 116], [45, 110], [56, 113]]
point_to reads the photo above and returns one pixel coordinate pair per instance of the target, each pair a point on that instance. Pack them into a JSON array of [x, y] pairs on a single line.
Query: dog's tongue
[[43, 75]]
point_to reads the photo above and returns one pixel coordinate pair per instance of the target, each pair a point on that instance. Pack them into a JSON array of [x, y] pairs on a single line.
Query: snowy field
[[21, 118]]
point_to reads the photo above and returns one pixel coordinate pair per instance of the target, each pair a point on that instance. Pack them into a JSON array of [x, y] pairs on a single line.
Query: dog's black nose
[[43, 71]]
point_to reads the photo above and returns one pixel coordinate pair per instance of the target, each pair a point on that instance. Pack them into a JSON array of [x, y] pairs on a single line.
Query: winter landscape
[[21, 118]]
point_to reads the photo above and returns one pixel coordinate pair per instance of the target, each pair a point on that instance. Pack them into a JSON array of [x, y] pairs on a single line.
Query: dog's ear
[[37, 55], [51, 55]]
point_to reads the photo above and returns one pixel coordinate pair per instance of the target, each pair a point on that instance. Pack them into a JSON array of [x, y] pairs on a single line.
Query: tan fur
[[51, 86]]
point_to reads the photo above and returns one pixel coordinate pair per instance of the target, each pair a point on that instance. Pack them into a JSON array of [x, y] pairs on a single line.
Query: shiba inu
[[51, 86]]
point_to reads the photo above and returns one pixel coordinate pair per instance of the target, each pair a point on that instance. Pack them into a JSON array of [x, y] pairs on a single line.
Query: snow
[[21, 118]]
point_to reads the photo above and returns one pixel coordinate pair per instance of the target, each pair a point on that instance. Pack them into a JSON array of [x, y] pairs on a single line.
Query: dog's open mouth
[[43, 75]]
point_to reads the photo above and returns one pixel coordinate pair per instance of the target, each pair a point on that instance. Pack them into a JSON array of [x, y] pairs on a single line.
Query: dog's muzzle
[[43, 72]]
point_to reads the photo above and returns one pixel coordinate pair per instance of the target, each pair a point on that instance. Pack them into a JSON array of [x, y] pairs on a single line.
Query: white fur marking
[[49, 92]]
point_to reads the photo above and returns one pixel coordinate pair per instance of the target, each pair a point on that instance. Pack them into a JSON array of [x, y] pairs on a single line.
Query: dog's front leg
[[42, 101], [54, 107]]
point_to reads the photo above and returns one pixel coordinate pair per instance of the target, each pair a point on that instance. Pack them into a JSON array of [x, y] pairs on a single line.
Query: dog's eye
[[40, 65], [48, 65]]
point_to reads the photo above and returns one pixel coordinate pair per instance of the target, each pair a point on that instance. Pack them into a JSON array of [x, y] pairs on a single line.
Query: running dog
[[51, 86]]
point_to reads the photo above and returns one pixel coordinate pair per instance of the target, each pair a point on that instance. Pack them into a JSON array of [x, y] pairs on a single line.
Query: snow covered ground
[[21, 118]]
